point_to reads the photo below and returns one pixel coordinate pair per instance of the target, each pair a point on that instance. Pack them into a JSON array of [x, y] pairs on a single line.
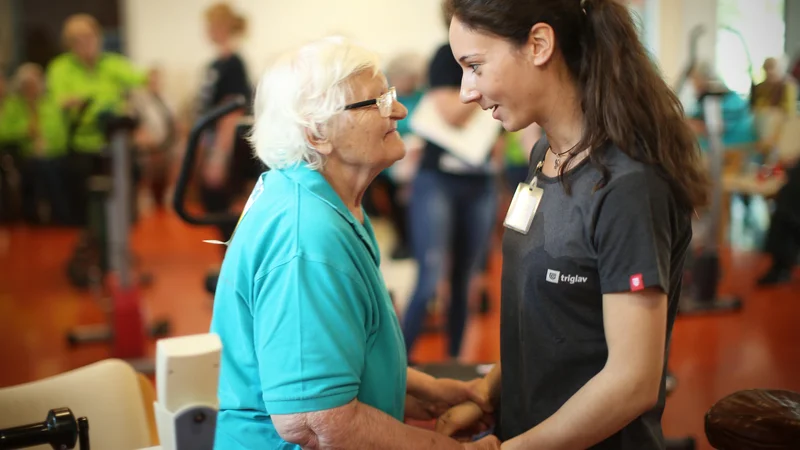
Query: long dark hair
[[625, 100]]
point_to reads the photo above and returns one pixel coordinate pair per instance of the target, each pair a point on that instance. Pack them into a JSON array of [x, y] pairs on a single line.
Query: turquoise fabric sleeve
[[310, 336]]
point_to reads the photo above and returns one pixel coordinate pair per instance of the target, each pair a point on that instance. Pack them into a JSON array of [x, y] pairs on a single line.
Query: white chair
[[116, 400]]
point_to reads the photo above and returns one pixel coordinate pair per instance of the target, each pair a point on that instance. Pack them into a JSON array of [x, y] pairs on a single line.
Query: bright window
[[749, 31]]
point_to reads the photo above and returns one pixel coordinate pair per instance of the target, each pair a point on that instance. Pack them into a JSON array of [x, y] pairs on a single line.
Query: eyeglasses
[[384, 103]]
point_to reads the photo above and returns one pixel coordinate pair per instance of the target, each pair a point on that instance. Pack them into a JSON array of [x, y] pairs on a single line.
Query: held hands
[[463, 421], [441, 394], [468, 418]]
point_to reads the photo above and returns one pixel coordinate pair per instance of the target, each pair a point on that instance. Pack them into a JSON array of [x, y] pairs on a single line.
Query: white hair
[[300, 93]]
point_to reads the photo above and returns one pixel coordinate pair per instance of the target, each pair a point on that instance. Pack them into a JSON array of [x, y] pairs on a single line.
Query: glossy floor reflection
[[712, 356]]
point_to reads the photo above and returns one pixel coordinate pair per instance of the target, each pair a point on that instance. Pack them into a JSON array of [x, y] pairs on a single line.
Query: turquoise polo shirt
[[304, 316]]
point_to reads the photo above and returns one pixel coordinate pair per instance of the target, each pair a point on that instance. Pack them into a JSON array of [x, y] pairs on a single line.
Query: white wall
[[170, 32], [676, 20]]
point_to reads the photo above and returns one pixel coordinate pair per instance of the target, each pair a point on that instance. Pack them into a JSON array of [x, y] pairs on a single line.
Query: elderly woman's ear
[[320, 140]]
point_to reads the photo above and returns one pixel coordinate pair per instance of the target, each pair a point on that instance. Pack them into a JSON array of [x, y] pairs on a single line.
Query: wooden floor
[[712, 356]]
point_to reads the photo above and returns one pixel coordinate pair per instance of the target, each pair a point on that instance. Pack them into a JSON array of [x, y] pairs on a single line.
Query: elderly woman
[[313, 355]]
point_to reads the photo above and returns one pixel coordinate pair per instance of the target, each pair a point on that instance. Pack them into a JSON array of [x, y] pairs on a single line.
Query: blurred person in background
[[9, 178], [156, 136], [777, 94], [89, 83], [3, 89], [774, 103], [34, 122], [451, 213], [406, 72], [738, 124], [783, 237], [778, 90], [4, 141], [225, 78]]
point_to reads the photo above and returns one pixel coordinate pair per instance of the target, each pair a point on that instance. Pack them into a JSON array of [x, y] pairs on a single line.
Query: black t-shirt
[[224, 78], [227, 77], [624, 236], [444, 71]]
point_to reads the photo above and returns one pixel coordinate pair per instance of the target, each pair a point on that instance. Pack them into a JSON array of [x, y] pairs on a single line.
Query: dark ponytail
[[624, 98]]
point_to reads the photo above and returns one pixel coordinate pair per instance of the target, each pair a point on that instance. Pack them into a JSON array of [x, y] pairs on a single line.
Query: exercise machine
[[125, 328], [189, 162], [61, 430], [187, 377], [700, 291]]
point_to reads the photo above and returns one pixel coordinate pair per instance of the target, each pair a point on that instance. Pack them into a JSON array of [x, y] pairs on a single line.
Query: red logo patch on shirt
[[637, 283]]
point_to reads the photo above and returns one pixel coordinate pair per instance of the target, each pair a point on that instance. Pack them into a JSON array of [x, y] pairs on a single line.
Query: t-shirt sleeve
[[58, 80], [444, 70], [632, 234], [127, 74], [234, 80], [310, 336]]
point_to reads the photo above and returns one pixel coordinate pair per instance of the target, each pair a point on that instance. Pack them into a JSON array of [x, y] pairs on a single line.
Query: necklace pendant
[[557, 162]]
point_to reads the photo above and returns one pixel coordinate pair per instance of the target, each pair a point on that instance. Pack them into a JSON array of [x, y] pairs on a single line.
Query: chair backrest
[[148, 399], [108, 393]]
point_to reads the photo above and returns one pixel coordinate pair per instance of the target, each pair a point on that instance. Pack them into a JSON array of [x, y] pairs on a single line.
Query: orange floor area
[[712, 356]]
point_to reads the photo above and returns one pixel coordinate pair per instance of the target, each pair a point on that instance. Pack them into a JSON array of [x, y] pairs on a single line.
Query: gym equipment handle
[[60, 430], [192, 148]]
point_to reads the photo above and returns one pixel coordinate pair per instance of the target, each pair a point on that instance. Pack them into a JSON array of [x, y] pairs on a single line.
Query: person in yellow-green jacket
[[86, 76], [34, 122], [4, 140]]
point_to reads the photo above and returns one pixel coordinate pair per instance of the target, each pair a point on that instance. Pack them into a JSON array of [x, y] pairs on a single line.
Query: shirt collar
[[315, 183]]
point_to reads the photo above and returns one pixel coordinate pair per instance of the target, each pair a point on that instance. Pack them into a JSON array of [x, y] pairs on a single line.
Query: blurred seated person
[[87, 77], [738, 127], [156, 136], [8, 171], [313, 355], [3, 89], [35, 123], [3, 102]]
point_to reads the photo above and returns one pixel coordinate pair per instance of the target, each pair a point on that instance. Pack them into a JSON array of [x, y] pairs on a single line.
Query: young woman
[[226, 77], [592, 277]]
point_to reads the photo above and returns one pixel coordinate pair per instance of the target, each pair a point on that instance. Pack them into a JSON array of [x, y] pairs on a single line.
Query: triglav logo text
[[555, 277]]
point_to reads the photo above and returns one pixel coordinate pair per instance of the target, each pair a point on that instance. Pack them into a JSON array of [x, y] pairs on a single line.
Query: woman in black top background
[[223, 176], [592, 278]]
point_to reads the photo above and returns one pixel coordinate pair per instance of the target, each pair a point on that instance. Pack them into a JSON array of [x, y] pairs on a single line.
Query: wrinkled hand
[[417, 409], [487, 443], [463, 421], [451, 392]]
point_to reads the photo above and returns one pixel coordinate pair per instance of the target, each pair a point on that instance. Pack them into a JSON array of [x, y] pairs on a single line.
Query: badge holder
[[524, 205]]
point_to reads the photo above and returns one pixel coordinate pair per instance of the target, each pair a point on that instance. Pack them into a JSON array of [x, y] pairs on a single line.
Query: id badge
[[523, 207]]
